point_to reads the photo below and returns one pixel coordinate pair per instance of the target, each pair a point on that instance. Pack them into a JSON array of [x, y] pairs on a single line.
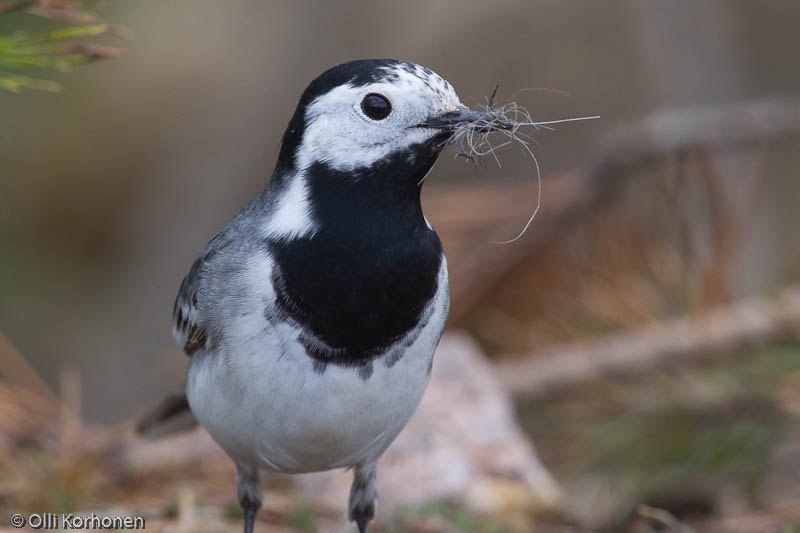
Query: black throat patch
[[362, 281]]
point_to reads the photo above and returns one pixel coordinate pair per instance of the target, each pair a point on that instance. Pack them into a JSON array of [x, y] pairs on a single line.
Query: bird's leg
[[363, 496], [248, 491]]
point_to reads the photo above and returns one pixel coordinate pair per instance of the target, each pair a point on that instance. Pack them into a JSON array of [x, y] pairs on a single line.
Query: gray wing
[[187, 330], [194, 325]]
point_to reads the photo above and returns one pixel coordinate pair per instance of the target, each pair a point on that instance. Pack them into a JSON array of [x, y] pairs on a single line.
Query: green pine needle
[[53, 50]]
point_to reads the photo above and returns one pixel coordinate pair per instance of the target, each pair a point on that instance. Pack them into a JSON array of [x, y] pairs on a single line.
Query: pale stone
[[463, 444]]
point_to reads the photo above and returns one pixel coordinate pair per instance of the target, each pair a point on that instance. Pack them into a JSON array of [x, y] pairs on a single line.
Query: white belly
[[267, 406]]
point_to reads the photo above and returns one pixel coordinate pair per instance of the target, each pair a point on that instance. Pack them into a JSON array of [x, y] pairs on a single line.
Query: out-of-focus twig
[[70, 419], [663, 518], [724, 331]]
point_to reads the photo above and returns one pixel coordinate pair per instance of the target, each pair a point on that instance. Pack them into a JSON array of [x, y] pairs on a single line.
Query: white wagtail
[[312, 317]]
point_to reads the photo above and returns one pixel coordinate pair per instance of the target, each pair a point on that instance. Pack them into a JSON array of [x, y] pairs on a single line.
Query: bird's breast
[[353, 303], [362, 280], [268, 405]]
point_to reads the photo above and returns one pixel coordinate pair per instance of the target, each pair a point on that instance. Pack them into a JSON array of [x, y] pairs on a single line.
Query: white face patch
[[340, 134]]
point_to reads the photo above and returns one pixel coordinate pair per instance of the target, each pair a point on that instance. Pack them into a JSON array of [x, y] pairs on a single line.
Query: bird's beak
[[480, 120]]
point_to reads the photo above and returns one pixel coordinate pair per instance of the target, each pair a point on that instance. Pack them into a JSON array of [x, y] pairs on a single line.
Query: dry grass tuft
[[473, 140]]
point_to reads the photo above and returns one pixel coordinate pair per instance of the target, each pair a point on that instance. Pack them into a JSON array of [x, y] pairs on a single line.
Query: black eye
[[376, 106]]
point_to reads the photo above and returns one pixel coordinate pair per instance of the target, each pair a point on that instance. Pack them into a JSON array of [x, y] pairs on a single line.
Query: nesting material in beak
[[470, 133]]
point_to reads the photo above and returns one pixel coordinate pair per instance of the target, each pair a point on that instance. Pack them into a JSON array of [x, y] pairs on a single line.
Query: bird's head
[[362, 139], [363, 112]]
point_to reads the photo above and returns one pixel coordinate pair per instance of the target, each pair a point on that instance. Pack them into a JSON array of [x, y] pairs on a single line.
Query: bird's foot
[[248, 491], [250, 518], [363, 496]]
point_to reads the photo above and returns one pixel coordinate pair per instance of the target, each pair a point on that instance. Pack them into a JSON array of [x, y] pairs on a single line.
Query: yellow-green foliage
[[56, 50]]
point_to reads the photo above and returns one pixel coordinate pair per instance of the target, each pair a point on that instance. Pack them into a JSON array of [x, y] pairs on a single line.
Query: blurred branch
[[663, 519], [70, 423], [720, 332], [626, 151], [48, 50]]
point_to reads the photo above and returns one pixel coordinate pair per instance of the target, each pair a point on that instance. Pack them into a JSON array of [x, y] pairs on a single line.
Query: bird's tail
[[172, 415]]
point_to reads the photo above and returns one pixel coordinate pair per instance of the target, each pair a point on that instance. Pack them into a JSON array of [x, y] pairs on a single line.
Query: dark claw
[[249, 518], [363, 525]]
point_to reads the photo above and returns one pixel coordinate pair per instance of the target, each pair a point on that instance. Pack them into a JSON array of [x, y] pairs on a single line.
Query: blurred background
[[645, 327]]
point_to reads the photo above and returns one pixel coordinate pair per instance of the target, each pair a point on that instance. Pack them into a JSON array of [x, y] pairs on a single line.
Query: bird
[[311, 319]]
